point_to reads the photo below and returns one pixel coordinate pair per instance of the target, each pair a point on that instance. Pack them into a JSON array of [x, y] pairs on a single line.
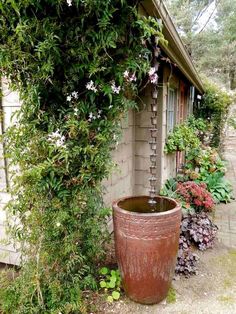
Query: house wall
[[121, 181]]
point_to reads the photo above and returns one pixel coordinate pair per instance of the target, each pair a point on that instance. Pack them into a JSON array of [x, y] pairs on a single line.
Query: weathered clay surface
[[146, 246]]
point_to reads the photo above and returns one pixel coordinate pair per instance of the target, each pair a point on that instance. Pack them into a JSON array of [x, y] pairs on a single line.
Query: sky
[[203, 19]]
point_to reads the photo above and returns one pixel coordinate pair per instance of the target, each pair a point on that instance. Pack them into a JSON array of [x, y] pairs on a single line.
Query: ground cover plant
[[110, 281], [76, 65], [197, 230]]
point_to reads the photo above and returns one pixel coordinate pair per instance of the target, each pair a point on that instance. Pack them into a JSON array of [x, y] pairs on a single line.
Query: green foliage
[[205, 165], [202, 161], [171, 296], [110, 282], [67, 59], [169, 189], [212, 43], [185, 136], [220, 188], [214, 107]]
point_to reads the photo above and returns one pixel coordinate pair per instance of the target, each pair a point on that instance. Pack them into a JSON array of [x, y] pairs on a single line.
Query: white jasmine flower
[[133, 78], [57, 139], [126, 74], [69, 3], [91, 115], [129, 77], [68, 98], [76, 111], [110, 107], [115, 89], [99, 128], [58, 224], [75, 94], [60, 142], [27, 214], [151, 71], [91, 86], [99, 111], [153, 78]]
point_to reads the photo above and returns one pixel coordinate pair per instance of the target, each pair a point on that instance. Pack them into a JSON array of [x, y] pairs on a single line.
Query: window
[[170, 111], [191, 99]]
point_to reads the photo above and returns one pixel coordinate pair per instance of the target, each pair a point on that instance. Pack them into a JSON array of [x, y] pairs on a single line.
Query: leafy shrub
[[186, 259], [201, 161], [186, 135], [214, 106], [196, 195], [170, 190], [182, 138], [220, 188], [110, 280], [193, 196], [200, 230], [205, 165], [73, 63]]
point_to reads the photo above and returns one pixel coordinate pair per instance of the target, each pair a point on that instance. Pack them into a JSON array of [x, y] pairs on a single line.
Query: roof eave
[[175, 49]]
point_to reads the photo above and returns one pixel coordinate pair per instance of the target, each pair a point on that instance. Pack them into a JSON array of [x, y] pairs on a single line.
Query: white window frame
[[171, 110]]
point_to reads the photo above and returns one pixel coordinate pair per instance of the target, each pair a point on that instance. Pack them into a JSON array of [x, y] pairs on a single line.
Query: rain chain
[[153, 144]]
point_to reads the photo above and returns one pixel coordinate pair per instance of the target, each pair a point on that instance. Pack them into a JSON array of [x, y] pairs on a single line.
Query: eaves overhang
[[175, 49]]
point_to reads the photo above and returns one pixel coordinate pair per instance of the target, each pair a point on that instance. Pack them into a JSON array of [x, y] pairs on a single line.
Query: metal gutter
[[175, 49]]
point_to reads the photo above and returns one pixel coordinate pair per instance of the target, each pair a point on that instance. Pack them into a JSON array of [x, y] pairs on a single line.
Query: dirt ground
[[212, 290]]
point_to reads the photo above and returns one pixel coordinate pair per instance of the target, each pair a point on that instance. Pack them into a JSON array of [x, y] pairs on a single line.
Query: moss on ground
[[171, 296], [228, 299]]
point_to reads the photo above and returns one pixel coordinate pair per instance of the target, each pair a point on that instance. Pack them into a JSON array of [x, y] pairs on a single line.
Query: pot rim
[[151, 214]]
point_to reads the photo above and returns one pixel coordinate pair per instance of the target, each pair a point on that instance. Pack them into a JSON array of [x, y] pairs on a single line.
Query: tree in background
[[212, 45]]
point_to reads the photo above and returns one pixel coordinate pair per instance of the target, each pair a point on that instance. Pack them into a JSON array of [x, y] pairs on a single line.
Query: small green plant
[[171, 296], [110, 282]]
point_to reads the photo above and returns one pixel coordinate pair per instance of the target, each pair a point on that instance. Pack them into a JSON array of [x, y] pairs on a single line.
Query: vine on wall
[[75, 64]]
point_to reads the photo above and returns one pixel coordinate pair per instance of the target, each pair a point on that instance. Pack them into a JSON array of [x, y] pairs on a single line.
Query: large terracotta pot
[[146, 245]]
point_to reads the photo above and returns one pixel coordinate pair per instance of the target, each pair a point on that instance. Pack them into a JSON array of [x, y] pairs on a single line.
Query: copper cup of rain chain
[[152, 179], [154, 120], [154, 94], [154, 107], [153, 158], [146, 244], [153, 170], [153, 133], [153, 145]]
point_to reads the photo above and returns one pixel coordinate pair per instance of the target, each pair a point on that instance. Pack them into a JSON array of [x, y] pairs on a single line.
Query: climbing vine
[[77, 66]]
